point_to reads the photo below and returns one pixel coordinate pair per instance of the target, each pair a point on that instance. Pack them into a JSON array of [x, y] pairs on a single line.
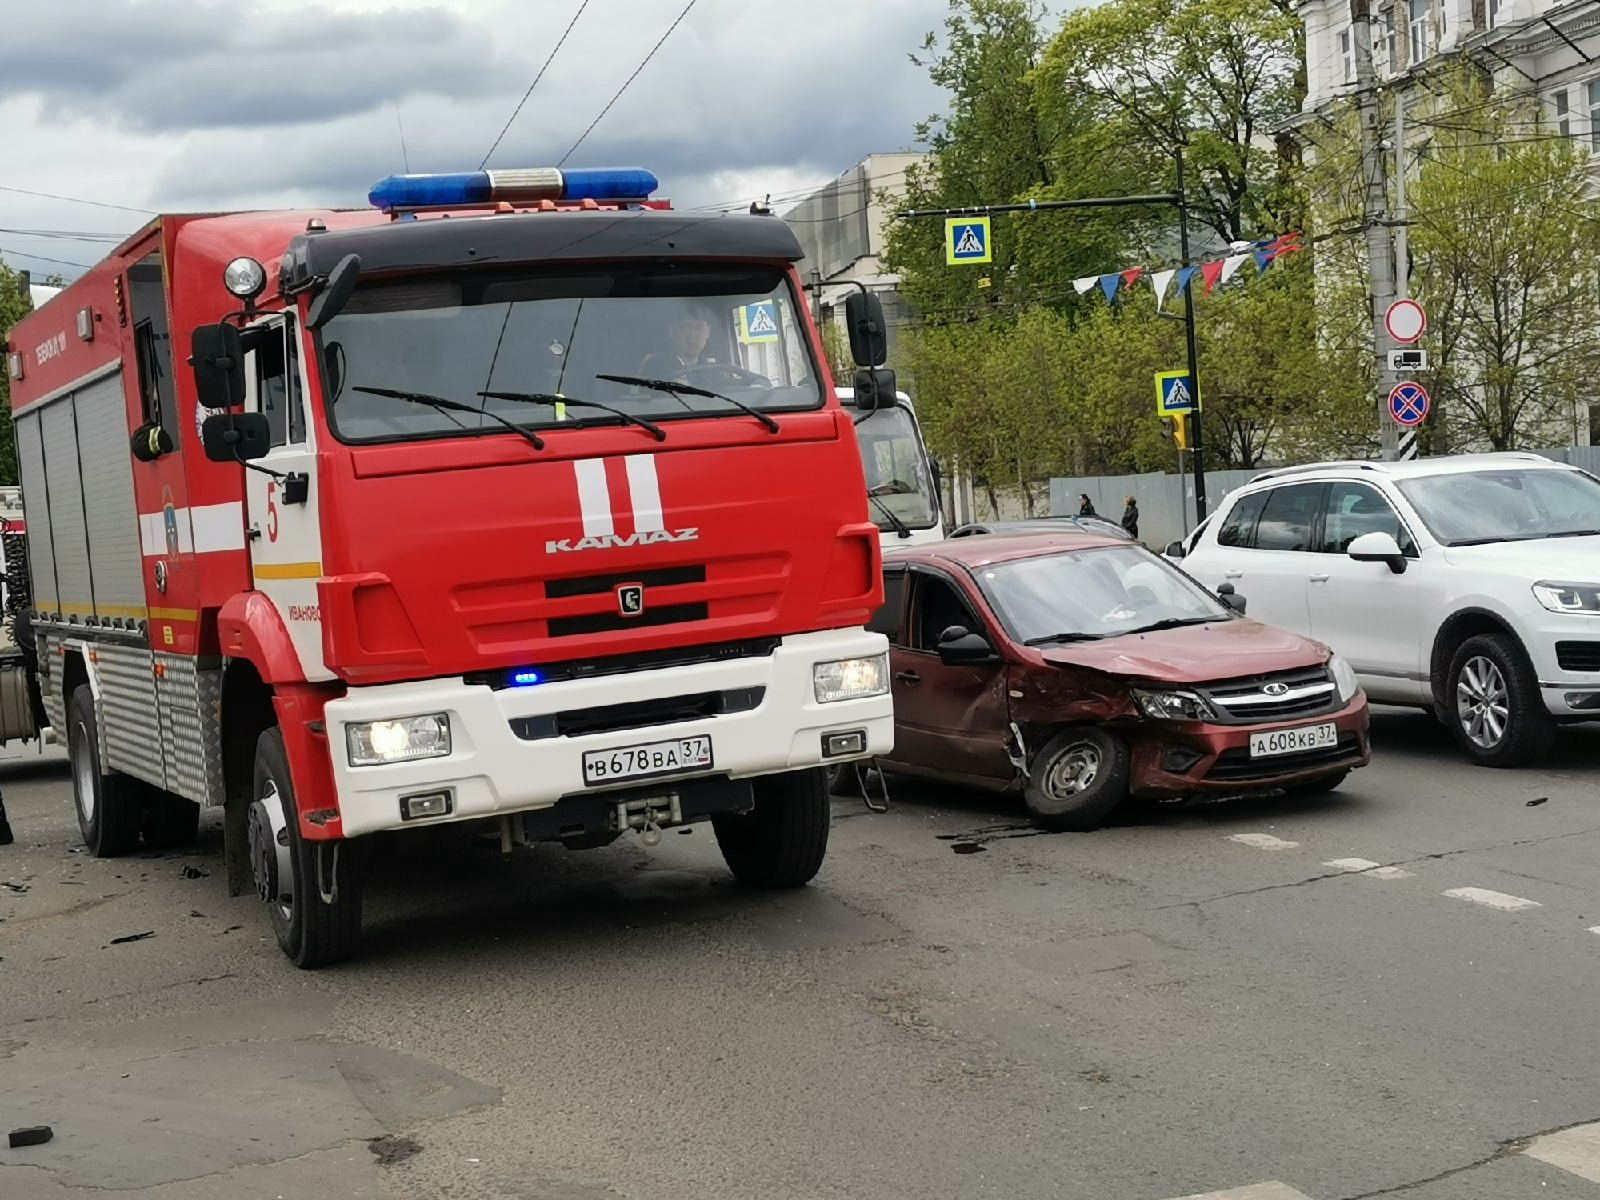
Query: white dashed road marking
[[1365, 866], [1574, 1150], [1255, 1191], [1493, 899], [1261, 841], [1594, 929]]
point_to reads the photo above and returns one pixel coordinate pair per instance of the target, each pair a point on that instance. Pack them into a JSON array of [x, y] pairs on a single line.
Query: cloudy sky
[[166, 105]]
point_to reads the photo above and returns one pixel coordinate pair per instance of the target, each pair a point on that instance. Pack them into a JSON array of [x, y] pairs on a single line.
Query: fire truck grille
[[651, 660], [611, 618], [598, 585], [638, 714], [606, 622]]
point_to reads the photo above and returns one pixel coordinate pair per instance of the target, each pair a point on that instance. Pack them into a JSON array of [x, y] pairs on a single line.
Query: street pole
[[1375, 216], [1196, 438], [1402, 250]]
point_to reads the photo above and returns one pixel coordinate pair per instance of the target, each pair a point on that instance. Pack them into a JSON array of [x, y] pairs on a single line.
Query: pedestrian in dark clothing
[[1085, 505], [1130, 518]]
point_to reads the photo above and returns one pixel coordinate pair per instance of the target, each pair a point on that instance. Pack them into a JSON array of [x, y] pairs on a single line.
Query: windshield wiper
[[688, 389], [1170, 623], [1064, 637], [1575, 533], [659, 433], [443, 405], [900, 526]]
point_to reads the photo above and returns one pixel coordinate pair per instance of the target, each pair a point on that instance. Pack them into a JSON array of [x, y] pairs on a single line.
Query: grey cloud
[[172, 65]]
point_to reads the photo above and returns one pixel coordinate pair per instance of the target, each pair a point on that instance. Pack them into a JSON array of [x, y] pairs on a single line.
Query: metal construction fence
[[1166, 501]]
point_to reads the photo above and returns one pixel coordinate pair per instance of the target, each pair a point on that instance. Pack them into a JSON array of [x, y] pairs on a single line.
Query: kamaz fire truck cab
[[523, 499]]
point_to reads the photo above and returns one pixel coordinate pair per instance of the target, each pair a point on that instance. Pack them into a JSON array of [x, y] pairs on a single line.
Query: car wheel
[[1077, 779], [1321, 785], [1494, 705], [110, 805], [781, 842]]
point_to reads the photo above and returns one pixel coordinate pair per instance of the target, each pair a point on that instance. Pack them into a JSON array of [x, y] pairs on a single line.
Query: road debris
[[132, 937], [31, 1135]]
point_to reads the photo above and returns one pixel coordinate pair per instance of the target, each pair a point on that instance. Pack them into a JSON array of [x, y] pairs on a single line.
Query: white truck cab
[[902, 480]]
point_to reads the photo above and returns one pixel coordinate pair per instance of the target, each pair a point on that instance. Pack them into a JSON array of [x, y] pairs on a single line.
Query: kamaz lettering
[[616, 541]]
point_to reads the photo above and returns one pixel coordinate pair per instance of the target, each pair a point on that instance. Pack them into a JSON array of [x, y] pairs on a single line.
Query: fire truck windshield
[[537, 336], [896, 468]]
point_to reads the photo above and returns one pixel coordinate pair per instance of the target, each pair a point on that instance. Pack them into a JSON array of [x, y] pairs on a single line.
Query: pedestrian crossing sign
[[1175, 394], [758, 322], [966, 240]]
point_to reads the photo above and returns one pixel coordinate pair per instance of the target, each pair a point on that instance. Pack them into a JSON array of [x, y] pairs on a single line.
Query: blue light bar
[[524, 678], [604, 184]]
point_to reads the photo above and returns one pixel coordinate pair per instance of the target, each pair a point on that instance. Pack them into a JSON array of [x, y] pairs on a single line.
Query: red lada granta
[[1079, 670]]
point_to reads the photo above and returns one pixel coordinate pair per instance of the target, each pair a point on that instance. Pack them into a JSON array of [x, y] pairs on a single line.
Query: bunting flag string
[[1213, 272]]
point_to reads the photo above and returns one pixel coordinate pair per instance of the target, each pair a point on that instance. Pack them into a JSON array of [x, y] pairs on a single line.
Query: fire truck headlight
[[245, 278], [374, 743], [850, 678]]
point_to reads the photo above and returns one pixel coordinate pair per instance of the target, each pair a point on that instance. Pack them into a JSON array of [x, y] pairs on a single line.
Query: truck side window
[[278, 384], [152, 344], [887, 619]]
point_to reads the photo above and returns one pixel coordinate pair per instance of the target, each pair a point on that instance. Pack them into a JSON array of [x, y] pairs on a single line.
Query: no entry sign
[[1405, 321]]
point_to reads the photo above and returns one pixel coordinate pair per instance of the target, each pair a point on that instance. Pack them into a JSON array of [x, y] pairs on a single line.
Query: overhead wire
[[76, 200], [548, 60]]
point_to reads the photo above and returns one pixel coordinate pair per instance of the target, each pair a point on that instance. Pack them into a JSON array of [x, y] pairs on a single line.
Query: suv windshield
[[896, 468], [718, 329], [1096, 593], [1477, 507]]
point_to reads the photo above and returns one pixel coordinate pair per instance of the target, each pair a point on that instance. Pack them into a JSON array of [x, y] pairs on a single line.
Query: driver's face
[[689, 336]]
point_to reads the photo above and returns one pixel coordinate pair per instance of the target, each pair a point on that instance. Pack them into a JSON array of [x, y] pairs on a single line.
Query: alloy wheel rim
[[1483, 703]]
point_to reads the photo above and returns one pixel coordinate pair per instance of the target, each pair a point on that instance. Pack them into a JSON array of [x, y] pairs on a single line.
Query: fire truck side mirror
[[869, 336], [335, 294], [218, 362], [236, 437], [874, 389]]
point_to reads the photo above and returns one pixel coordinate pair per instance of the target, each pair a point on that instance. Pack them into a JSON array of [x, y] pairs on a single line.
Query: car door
[[1363, 610], [949, 720], [1274, 553]]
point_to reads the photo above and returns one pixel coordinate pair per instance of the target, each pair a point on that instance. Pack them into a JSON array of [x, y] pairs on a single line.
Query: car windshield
[[896, 467], [1096, 593], [1477, 507], [729, 330]]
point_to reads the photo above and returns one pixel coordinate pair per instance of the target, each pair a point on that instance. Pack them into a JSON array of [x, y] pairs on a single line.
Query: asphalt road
[[1269, 1000]]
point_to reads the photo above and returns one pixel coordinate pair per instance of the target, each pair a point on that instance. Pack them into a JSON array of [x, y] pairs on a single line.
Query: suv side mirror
[[869, 334], [874, 388], [1231, 599], [236, 437], [1174, 550], [1378, 547], [960, 647], [218, 362]]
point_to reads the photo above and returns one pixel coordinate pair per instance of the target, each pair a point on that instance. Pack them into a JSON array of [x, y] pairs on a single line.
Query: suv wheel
[[1493, 703]]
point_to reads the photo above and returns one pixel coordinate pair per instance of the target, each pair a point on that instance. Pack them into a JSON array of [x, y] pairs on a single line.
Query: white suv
[[1468, 585]]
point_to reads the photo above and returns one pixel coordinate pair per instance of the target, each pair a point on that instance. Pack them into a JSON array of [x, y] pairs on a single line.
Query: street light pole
[[1196, 437]]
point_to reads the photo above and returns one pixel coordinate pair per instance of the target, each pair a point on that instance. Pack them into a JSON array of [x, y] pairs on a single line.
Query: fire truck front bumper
[[440, 750]]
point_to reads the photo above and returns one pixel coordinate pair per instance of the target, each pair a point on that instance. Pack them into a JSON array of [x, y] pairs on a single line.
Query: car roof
[[985, 549], [1451, 464]]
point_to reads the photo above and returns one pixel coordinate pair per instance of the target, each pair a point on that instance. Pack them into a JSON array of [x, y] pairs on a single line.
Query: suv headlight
[[1344, 678], [1568, 597], [850, 678], [1175, 705], [406, 739]]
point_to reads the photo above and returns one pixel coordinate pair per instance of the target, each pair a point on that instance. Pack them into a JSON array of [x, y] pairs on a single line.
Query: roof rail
[[1353, 464]]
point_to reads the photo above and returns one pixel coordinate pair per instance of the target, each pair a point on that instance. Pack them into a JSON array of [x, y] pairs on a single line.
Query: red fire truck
[[517, 497]]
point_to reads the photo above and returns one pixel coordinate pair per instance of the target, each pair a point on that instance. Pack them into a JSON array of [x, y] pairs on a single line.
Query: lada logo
[[1276, 689]]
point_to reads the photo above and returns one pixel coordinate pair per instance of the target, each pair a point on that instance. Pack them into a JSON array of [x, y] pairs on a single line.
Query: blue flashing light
[[608, 184], [524, 678]]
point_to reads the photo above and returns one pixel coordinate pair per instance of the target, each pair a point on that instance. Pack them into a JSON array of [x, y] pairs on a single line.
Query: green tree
[[14, 305]]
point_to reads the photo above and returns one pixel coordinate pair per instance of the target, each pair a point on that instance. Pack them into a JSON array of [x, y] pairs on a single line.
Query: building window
[[1345, 57], [1563, 113], [1594, 114], [1421, 43], [1386, 45], [1494, 12]]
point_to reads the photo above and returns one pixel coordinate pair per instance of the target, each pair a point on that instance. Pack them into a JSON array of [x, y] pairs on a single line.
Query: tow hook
[[648, 814], [1018, 753]]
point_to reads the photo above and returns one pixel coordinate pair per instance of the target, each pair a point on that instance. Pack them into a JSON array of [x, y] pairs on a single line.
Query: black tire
[[1493, 703], [782, 841], [312, 933], [1077, 779], [110, 805], [170, 822], [1321, 786]]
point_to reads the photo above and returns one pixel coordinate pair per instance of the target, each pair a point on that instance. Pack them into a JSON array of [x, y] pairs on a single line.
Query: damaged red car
[[1080, 670]]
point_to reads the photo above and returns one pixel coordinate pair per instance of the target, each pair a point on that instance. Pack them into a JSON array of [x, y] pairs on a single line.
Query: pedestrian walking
[[1130, 518], [1085, 505]]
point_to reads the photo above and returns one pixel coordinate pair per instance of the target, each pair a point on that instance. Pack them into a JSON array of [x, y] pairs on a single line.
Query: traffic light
[[1176, 429]]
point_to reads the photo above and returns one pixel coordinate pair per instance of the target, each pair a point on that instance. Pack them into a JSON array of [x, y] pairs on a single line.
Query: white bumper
[[491, 770]]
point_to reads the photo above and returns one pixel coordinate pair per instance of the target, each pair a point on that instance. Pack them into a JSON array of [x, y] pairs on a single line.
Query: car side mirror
[[218, 362], [1174, 550], [1378, 547], [1231, 599], [875, 388], [960, 647], [869, 333], [236, 437]]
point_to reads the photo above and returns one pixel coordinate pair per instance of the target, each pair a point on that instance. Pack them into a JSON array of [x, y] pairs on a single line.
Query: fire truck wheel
[[312, 932], [109, 805], [782, 841], [170, 822]]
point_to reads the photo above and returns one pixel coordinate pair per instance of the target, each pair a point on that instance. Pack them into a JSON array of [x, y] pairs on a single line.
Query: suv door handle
[[909, 678], [1233, 574], [1318, 578]]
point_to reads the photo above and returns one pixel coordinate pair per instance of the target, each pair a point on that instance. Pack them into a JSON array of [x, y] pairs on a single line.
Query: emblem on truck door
[[630, 599]]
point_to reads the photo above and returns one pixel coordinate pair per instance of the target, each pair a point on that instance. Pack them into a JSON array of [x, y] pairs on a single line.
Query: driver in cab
[[688, 334]]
